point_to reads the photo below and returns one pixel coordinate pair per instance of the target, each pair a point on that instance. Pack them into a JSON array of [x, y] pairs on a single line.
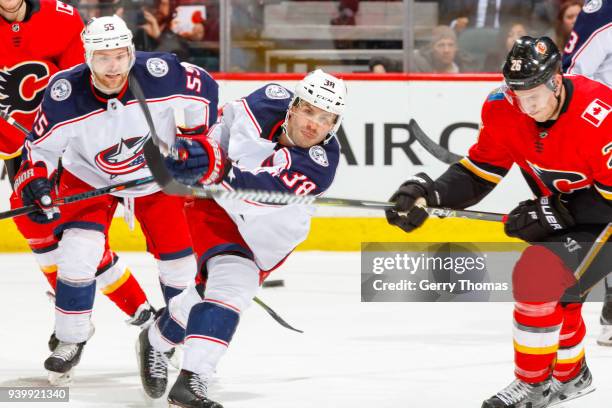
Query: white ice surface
[[352, 354]]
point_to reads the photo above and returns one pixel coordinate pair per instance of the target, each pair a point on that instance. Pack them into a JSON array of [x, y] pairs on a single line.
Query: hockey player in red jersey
[[557, 129], [90, 119], [588, 52], [29, 56]]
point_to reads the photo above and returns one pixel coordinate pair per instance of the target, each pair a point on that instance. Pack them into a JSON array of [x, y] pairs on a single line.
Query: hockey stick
[[275, 316], [78, 197], [432, 147], [273, 283], [170, 186], [13, 122]]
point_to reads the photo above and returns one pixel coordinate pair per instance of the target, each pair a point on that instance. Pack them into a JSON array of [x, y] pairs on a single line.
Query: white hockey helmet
[[324, 91], [107, 33]]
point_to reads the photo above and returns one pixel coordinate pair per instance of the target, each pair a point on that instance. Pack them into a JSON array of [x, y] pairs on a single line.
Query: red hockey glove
[[33, 186]]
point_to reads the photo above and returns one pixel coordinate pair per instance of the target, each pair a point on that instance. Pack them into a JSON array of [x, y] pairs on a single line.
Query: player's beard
[[107, 88]]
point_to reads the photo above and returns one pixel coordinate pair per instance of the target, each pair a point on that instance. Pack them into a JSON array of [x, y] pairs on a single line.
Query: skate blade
[[579, 394], [60, 379], [605, 338]]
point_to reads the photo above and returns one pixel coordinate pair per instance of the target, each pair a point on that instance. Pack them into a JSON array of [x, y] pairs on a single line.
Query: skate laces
[[198, 385], [515, 392], [65, 351], [158, 364]]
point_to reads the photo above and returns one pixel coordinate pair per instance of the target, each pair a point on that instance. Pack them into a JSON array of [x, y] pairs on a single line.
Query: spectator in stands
[[564, 24], [347, 9], [462, 14], [381, 65], [442, 55], [154, 29], [495, 59]]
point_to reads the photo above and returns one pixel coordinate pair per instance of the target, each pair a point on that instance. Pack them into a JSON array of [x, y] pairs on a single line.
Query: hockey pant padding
[[540, 276], [176, 274], [232, 283]]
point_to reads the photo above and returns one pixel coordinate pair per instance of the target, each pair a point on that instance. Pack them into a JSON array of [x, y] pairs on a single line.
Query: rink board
[[378, 155]]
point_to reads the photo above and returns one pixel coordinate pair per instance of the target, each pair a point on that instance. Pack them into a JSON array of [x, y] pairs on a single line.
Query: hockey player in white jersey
[[588, 52], [90, 118], [277, 142], [589, 49]]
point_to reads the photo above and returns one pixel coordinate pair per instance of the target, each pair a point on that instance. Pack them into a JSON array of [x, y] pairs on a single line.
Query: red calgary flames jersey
[[48, 40], [574, 153]]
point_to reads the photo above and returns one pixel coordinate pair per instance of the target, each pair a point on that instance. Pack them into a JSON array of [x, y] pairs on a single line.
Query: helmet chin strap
[[285, 131], [556, 88]]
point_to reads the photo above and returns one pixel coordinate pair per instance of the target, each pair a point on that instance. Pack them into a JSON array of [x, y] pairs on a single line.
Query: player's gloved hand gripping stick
[[33, 208]]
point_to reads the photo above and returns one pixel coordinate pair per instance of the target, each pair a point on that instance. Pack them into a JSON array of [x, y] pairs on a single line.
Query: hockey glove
[[405, 198], [534, 220], [33, 186], [196, 160]]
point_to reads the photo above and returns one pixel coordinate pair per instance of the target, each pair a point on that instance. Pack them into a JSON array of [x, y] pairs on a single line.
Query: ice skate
[[190, 391], [577, 387], [53, 342], [153, 367], [605, 319], [62, 361], [520, 394]]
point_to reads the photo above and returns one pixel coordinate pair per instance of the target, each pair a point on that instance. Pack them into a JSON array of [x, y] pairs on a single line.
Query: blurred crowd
[[470, 35]]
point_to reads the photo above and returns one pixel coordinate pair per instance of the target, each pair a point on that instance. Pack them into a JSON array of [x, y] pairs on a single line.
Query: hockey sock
[[50, 273], [119, 285], [536, 339], [210, 329], [73, 305], [571, 347]]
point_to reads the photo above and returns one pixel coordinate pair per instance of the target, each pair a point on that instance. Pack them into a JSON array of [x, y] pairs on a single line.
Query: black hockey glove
[[33, 186], [406, 215], [534, 220]]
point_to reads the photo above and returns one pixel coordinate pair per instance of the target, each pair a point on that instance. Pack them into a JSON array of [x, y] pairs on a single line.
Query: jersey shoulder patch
[[274, 91], [269, 105], [592, 6], [318, 155], [596, 112], [318, 163], [496, 94]]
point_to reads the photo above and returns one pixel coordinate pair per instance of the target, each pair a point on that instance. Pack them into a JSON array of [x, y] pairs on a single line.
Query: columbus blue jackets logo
[[125, 157], [559, 180], [318, 155], [61, 90], [277, 92], [592, 6], [22, 86]]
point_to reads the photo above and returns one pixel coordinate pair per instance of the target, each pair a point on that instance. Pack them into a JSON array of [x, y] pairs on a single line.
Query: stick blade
[[432, 147]]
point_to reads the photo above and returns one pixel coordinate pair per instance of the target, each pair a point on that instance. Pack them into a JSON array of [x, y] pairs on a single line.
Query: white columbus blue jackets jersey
[[252, 126], [101, 141], [589, 50]]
